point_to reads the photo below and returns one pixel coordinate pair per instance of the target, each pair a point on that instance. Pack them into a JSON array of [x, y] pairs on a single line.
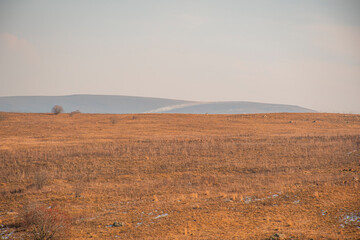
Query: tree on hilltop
[[57, 109]]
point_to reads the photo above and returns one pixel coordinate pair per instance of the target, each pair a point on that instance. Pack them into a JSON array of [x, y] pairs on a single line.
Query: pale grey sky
[[304, 53]]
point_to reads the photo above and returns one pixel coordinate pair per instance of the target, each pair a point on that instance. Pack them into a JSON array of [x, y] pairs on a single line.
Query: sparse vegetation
[[197, 176]]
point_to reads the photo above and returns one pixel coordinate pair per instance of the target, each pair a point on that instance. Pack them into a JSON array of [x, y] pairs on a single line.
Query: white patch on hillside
[[172, 107]]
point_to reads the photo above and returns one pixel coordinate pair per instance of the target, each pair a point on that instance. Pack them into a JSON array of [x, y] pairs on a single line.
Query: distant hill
[[238, 107], [128, 104]]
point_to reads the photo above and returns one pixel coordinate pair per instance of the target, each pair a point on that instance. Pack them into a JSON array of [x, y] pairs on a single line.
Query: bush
[[113, 120], [57, 109], [46, 223], [41, 179], [74, 112]]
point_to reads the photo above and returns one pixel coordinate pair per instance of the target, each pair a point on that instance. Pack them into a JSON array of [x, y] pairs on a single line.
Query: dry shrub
[[41, 179], [78, 190], [46, 222], [113, 120], [208, 180], [74, 113]]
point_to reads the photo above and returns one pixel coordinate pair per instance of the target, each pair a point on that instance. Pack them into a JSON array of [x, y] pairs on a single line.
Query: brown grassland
[[179, 176]]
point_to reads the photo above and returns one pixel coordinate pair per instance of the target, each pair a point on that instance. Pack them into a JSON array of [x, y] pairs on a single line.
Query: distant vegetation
[[57, 109], [74, 112]]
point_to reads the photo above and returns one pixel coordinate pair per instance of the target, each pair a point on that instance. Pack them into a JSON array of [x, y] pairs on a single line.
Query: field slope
[[179, 176]]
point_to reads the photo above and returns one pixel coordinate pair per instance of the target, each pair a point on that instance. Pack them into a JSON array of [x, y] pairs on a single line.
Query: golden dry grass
[[176, 176]]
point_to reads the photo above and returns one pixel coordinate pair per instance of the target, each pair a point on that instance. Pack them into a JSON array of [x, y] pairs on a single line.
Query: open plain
[[180, 176]]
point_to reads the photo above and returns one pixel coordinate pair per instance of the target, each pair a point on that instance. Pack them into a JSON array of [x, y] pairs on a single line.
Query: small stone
[[118, 224], [277, 236], [281, 236]]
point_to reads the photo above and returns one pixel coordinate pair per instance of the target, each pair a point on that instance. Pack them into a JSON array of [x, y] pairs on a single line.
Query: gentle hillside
[[85, 103], [128, 104], [238, 108], [180, 176]]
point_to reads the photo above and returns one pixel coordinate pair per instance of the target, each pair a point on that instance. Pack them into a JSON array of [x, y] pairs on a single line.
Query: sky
[[304, 53]]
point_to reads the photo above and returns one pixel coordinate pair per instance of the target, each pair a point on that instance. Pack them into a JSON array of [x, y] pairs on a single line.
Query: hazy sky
[[304, 53]]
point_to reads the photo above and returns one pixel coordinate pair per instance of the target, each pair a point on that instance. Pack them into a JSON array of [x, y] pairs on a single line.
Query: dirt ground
[[182, 176]]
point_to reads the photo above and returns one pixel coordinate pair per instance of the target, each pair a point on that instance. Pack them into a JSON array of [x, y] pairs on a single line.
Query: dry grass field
[[175, 176]]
